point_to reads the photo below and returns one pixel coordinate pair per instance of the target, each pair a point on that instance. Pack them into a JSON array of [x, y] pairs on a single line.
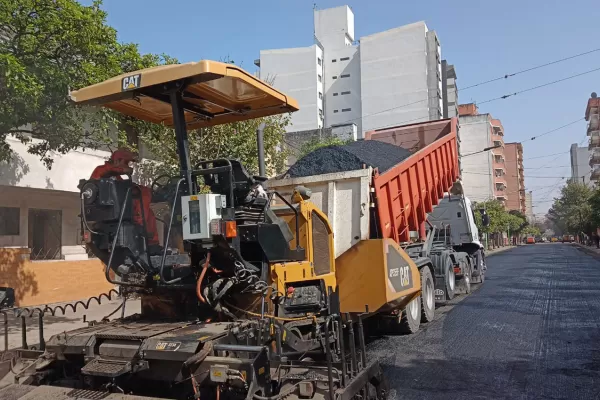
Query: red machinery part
[[410, 190]]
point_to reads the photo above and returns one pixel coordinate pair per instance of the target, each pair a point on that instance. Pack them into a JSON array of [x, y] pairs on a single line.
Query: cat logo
[[131, 82]]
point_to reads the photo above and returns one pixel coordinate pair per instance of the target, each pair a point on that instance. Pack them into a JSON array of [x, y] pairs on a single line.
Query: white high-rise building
[[386, 79], [580, 164]]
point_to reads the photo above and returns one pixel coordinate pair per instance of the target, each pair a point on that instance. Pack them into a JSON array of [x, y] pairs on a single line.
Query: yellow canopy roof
[[213, 93]]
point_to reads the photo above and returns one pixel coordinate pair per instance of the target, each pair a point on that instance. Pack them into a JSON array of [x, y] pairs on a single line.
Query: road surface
[[532, 331]]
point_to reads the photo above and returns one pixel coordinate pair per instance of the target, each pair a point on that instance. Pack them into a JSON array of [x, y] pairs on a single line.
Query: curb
[[503, 249], [587, 250]]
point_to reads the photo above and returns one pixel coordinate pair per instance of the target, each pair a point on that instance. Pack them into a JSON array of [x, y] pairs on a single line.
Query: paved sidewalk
[[61, 323]]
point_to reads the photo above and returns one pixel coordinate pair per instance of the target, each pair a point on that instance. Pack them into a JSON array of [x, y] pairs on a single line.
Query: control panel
[[197, 212]]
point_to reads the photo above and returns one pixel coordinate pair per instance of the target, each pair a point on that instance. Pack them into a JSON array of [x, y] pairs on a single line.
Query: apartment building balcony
[[497, 138], [499, 161], [595, 174], [497, 128], [594, 157], [593, 119], [501, 197], [594, 140]]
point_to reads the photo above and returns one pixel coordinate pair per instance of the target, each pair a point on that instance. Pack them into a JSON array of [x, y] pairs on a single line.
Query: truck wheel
[[411, 317], [427, 295], [450, 280]]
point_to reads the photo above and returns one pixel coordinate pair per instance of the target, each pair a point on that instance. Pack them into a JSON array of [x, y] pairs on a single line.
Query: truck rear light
[[457, 270], [230, 229], [87, 237]]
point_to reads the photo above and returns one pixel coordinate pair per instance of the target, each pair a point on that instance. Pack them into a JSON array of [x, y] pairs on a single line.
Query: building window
[[346, 109], [346, 92], [335, 94], [9, 221], [334, 77], [335, 111], [334, 60], [318, 61], [345, 76], [319, 78], [320, 95], [344, 58], [45, 234]]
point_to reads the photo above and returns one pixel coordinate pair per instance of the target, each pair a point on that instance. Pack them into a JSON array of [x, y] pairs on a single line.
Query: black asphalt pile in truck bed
[[349, 157]]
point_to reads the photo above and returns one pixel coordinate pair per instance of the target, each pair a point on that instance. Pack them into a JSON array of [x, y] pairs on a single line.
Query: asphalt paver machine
[[246, 307]]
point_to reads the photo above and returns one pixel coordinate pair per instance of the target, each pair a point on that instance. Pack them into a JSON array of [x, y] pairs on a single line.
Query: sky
[[484, 39]]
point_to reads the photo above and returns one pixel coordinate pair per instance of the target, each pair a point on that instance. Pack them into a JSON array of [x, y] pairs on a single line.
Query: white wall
[[332, 25], [295, 72], [28, 198], [580, 164], [342, 107], [26, 170], [477, 169], [394, 73]]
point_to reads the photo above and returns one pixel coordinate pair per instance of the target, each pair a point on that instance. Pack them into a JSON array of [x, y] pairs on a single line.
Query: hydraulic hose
[[201, 278]]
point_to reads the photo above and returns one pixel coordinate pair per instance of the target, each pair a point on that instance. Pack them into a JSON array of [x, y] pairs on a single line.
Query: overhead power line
[[530, 69], [538, 86]]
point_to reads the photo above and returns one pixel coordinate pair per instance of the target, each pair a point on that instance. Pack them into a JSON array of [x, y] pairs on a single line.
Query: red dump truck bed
[[407, 192], [364, 204]]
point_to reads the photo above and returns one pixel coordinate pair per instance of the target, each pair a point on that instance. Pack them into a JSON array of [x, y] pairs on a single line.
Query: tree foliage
[[48, 47], [236, 140], [317, 143], [501, 220], [572, 211]]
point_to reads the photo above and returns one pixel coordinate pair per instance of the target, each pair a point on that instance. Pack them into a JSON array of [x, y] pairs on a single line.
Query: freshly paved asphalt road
[[531, 331]]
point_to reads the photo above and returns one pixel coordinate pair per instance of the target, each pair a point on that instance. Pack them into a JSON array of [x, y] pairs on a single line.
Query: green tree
[[317, 143], [236, 140], [571, 212], [499, 218], [531, 231], [47, 48]]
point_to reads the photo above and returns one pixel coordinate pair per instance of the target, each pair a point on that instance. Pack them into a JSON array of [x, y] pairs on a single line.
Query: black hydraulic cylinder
[[260, 142], [181, 136], [24, 333], [352, 340], [41, 331]]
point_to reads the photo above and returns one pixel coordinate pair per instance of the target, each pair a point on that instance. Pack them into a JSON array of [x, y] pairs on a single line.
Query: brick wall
[[43, 282]]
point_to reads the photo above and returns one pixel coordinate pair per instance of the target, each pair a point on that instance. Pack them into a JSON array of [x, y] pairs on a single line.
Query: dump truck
[[250, 295], [382, 203], [453, 217]]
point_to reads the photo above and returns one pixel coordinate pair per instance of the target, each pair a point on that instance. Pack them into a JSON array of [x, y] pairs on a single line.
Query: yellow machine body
[[374, 275]]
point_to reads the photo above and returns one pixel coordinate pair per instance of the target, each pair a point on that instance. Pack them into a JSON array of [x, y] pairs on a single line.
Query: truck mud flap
[[440, 294]]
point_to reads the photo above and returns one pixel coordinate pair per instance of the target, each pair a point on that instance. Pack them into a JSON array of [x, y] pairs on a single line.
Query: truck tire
[[480, 260], [427, 295], [450, 279], [468, 277], [411, 317]]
